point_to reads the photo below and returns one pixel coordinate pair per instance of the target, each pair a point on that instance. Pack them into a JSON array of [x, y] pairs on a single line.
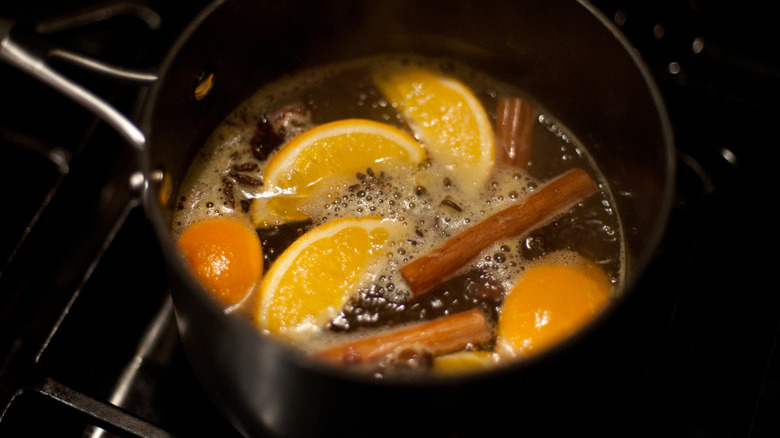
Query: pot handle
[[26, 61]]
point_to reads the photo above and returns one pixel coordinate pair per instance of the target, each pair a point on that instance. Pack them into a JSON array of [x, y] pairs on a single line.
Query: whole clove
[[244, 167], [246, 179], [448, 202], [227, 189]]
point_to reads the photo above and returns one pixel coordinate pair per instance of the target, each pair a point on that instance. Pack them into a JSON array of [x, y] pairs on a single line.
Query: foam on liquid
[[431, 209]]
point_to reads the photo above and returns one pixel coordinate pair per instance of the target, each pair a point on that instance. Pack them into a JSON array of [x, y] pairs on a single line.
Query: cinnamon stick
[[513, 131], [439, 336], [425, 272]]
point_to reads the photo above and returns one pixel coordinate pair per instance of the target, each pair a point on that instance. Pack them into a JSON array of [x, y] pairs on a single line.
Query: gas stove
[[87, 332]]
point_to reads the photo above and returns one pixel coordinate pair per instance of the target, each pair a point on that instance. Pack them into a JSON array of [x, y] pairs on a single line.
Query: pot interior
[[562, 53]]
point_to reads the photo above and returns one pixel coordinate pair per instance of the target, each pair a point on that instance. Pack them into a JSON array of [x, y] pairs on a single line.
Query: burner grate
[[86, 327]]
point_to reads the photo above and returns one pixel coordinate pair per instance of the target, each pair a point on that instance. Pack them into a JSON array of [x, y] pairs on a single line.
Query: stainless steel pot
[[564, 53]]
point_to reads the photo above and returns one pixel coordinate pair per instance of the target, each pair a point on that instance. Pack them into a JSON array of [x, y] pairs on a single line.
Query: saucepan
[[564, 53]]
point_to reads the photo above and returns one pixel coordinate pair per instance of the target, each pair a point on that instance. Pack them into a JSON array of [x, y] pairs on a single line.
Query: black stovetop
[[86, 322]]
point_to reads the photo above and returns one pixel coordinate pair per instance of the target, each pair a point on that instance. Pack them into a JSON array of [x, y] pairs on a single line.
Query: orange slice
[[463, 362], [313, 278], [448, 119], [336, 149], [225, 256], [549, 303]]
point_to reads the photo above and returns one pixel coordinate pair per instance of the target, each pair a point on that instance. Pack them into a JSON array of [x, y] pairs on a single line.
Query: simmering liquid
[[226, 180]]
